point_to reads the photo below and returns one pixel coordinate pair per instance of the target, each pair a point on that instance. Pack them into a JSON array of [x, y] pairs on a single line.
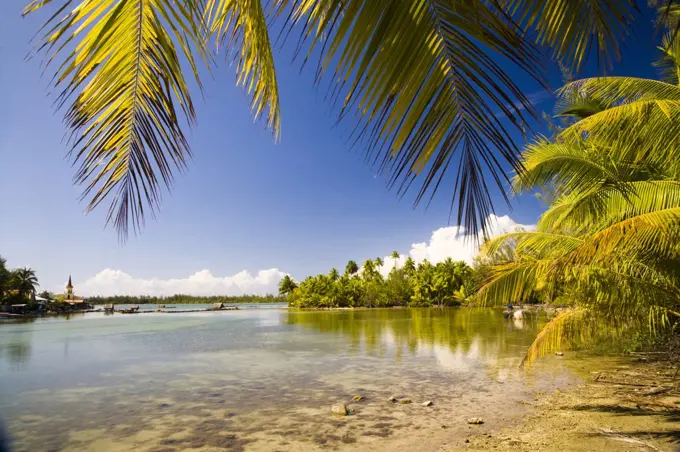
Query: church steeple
[[69, 289]]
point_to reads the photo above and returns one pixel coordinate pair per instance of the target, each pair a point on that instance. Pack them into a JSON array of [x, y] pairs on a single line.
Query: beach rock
[[358, 398], [340, 409], [559, 353], [428, 403], [475, 420], [392, 399], [405, 401]]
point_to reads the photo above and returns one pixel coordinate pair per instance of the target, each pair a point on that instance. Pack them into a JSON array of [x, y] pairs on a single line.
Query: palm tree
[[395, 255], [413, 78], [287, 285], [410, 266], [5, 277], [369, 269], [352, 268], [24, 281], [611, 236], [379, 262], [334, 274]]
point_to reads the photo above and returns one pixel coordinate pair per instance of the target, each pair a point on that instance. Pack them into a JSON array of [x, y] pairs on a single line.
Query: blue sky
[[301, 206]]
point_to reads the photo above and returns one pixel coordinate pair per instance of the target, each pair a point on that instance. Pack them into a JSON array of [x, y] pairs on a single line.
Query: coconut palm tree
[[427, 82], [352, 268], [287, 285], [612, 234], [24, 281], [334, 274], [410, 266], [395, 255]]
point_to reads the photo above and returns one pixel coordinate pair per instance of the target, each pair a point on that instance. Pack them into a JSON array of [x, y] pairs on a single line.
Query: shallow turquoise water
[[257, 379]]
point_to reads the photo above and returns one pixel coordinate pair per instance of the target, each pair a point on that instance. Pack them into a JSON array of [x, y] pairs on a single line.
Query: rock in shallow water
[[392, 399], [358, 398], [405, 401], [475, 420], [559, 353], [428, 403], [340, 409]]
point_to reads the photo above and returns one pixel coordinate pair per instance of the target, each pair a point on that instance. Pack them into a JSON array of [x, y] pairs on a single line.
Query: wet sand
[[623, 404]]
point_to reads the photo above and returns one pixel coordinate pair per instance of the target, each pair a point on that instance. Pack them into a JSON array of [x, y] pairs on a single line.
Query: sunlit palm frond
[[565, 326], [571, 166], [119, 66], [604, 206], [655, 234], [641, 131], [511, 282], [612, 91], [241, 24]]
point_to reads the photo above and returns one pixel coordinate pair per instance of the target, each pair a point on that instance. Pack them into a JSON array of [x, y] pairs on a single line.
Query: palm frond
[[572, 28], [606, 205], [426, 87], [120, 60], [669, 60], [571, 166], [242, 24], [565, 326]]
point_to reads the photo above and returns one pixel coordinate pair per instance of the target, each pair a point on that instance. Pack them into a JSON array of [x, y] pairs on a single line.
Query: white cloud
[[117, 282], [449, 241], [453, 242]]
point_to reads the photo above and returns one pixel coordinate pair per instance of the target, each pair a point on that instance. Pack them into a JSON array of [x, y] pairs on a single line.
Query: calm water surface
[[263, 379]]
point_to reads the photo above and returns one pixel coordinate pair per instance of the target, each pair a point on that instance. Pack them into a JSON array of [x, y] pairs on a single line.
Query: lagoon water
[[264, 379]]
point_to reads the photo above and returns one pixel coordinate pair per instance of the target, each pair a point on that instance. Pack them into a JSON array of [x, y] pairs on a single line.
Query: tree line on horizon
[[447, 283], [184, 299]]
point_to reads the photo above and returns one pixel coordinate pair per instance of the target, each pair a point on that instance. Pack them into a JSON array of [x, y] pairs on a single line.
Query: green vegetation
[[424, 81], [609, 243], [17, 286], [426, 284], [185, 299]]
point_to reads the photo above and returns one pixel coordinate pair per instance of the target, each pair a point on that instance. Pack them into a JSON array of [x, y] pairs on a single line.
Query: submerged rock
[[475, 420], [340, 409], [405, 401], [428, 403], [392, 399], [358, 398]]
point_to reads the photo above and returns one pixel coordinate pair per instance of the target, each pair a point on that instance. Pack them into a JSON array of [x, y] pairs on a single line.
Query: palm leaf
[[571, 27], [125, 84], [242, 24]]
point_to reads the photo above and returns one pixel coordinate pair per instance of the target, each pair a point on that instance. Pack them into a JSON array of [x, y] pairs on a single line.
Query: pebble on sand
[[340, 409]]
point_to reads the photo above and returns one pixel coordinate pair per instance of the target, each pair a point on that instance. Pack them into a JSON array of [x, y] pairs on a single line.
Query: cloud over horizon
[[454, 242], [448, 241], [117, 282]]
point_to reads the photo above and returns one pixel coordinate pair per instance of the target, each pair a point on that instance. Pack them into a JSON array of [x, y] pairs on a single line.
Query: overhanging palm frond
[[570, 28], [125, 73], [426, 85], [242, 24], [566, 325]]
